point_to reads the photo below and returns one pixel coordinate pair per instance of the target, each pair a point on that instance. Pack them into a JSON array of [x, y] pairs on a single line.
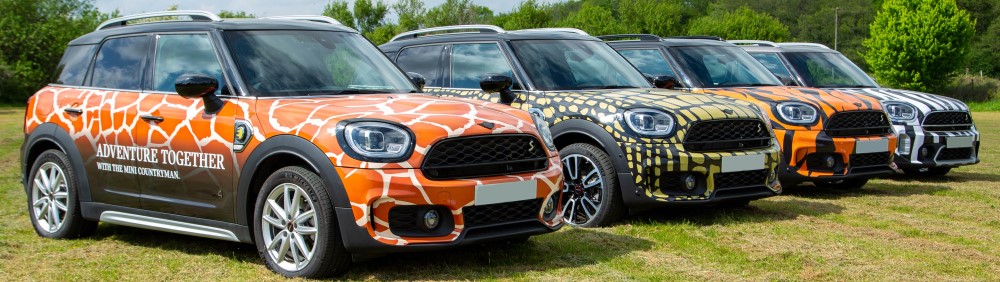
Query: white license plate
[[742, 163], [505, 192], [960, 142], [871, 146]]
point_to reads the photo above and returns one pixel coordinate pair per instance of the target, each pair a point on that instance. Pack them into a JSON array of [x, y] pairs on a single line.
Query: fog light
[[550, 206], [829, 161], [924, 151], [431, 219], [690, 182]]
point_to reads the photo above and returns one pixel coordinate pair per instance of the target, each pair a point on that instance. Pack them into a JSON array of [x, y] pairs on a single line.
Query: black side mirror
[[665, 82], [493, 83], [786, 81], [195, 86], [417, 80], [648, 77]]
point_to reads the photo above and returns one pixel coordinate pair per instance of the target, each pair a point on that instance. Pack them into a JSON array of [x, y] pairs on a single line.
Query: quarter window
[[470, 62], [119, 63], [178, 54], [425, 60]]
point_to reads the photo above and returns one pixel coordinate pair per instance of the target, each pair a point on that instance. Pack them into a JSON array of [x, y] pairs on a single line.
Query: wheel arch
[[49, 136], [582, 131], [275, 153]]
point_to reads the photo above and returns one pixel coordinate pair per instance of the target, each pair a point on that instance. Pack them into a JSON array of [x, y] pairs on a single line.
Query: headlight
[[797, 113], [900, 112], [543, 127], [377, 141], [650, 122]]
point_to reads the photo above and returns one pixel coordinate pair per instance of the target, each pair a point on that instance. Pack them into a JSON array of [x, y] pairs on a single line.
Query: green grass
[[895, 229], [989, 106]]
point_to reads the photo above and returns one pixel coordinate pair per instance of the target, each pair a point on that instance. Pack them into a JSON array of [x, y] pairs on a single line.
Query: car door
[[193, 168], [117, 76]]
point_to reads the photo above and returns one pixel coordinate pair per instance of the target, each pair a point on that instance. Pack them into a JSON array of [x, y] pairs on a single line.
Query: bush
[[973, 89], [742, 23]]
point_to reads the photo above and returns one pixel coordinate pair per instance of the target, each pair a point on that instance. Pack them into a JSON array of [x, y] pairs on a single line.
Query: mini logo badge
[[487, 125], [531, 145], [241, 135]]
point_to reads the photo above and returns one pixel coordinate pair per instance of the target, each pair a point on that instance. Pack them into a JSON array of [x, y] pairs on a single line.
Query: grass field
[[896, 229]]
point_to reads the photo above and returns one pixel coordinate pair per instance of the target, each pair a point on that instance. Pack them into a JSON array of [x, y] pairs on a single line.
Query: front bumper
[[938, 153], [805, 153], [656, 173], [366, 225]]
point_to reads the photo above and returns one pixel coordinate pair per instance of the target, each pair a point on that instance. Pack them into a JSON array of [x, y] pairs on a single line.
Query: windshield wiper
[[351, 91], [847, 86], [747, 85], [608, 87]]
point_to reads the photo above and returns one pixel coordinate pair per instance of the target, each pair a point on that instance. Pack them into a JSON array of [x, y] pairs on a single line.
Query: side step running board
[[166, 225]]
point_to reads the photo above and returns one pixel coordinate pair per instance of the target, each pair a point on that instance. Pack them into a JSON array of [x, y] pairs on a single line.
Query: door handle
[[73, 111], [152, 118]]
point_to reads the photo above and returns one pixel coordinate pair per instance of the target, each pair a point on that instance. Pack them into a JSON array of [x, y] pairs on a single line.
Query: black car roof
[[528, 34], [679, 41], [792, 47], [226, 24]]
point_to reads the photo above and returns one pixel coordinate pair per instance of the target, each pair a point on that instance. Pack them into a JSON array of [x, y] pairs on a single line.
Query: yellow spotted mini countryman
[[625, 146]]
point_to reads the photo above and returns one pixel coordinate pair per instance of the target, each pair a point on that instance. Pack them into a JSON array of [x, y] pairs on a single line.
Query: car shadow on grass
[[571, 247], [877, 189], [952, 177], [176, 242]]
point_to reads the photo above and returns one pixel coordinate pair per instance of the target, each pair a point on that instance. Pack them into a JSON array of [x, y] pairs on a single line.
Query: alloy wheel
[[289, 227], [583, 189], [50, 197]]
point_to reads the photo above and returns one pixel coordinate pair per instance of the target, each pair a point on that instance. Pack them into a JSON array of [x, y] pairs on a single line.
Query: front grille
[[484, 155], [501, 213], [727, 134], [869, 159], [740, 179], [951, 154], [858, 123], [948, 121]]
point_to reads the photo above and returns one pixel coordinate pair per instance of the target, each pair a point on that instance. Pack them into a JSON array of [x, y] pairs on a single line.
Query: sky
[[263, 8]]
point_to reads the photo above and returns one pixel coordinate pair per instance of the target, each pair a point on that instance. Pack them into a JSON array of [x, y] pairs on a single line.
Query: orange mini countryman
[[294, 134]]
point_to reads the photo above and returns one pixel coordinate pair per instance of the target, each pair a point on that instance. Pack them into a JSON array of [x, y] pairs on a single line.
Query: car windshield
[[828, 70], [723, 66], [576, 65], [302, 63]]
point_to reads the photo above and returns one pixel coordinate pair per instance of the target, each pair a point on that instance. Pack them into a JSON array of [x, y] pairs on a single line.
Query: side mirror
[[493, 83], [786, 81], [417, 80], [648, 77], [195, 86], [665, 82]]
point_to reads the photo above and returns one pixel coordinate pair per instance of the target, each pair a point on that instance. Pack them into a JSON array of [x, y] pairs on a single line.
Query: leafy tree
[[456, 12], [235, 15], [34, 35], [368, 15], [918, 44], [593, 19], [339, 11], [529, 14], [742, 23], [986, 52], [651, 16], [410, 13], [383, 33]]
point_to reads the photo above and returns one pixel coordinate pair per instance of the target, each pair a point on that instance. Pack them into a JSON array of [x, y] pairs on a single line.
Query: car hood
[[829, 101], [687, 107], [924, 102]]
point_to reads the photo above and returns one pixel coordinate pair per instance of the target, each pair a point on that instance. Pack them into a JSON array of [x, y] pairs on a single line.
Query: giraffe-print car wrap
[[649, 160], [913, 135], [114, 117], [799, 141]]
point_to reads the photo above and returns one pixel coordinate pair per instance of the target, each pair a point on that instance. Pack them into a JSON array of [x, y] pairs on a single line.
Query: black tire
[[850, 184], [330, 257], [73, 225], [612, 208]]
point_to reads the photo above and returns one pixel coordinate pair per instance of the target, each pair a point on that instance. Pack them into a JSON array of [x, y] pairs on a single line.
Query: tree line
[[959, 35]]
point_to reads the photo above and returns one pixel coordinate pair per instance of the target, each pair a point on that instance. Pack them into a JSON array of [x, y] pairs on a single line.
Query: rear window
[[119, 63], [73, 67]]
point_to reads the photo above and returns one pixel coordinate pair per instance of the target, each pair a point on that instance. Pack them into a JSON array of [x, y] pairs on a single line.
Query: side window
[[648, 61], [178, 54], [425, 60], [119, 63], [772, 62], [73, 67], [470, 62]]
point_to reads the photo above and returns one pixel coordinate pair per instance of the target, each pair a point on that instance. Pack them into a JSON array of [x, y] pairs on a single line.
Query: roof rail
[[762, 43], [706, 37], [641, 37], [803, 44], [312, 18], [448, 29], [194, 15], [554, 29]]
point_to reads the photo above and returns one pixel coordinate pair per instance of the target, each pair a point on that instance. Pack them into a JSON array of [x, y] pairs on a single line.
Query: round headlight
[[538, 118], [900, 112], [796, 112], [378, 141], [650, 122]]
